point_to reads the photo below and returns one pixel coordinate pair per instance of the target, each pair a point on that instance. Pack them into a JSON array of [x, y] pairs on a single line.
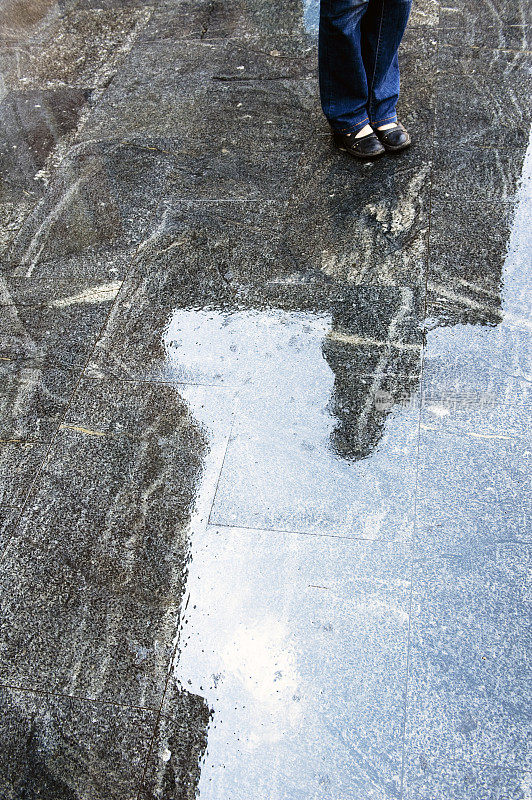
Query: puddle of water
[[311, 16], [298, 644], [311, 450], [506, 347], [234, 347]]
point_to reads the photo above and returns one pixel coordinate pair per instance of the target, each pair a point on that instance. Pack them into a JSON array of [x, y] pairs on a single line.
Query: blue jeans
[[358, 65]]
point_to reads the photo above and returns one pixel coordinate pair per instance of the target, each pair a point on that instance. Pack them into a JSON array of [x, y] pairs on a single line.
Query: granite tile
[[360, 224], [175, 762], [479, 280], [118, 505], [502, 24], [67, 47], [238, 18], [8, 522], [33, 396], [511, 68], [505, 12], [463, 782], [63, 332], [110, 4], [61, 633], [424, 13], [200, 277], [91, 273], [418, 63], [500, 353], [298, 646], [469, 680], [487, 91], [19, 465], [195, 91], [23, 21], [92, 583], [468, 250], [13, 211], [99, 199], [218, 22], [473, 488], [230, 169], [485, 175], [142, 410], [456, 31], [244, 21], [31, 123], [71, 749]]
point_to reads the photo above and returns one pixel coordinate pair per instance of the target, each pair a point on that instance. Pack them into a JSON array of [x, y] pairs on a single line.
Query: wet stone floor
[[265, 411]]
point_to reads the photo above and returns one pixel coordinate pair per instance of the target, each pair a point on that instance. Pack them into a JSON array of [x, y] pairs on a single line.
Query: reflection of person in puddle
[[359, 73]]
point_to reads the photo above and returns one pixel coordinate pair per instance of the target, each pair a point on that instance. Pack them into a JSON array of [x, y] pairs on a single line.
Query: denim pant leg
[[343, 84], [383, 27]]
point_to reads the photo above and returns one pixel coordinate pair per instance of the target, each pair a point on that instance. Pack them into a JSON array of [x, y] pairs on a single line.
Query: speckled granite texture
[[265, 411]]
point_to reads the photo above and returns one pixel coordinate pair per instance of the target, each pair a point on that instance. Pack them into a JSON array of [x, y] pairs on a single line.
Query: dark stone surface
[[483, 175], [8, 521], [100, 199], [62, 332], [33, 396], [19, 465], [504, 24], [64, 633], [181, 737], [482, 98], [46, 36], [59, 748], [202, 83], [31, 123], [468, 242], [93, 580]]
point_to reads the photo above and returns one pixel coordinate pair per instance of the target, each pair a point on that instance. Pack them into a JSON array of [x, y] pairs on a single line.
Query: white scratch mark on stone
[[38, 241], [80, 429], [95, 294]]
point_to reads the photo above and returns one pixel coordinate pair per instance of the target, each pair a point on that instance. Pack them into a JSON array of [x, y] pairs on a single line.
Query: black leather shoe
[[394, 139], [364, 147]]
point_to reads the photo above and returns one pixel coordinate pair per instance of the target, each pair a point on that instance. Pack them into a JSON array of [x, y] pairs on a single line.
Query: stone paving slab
[[265, 411], [20, 462], [467, 675], [305, 665], [33, 396], [97, 750]]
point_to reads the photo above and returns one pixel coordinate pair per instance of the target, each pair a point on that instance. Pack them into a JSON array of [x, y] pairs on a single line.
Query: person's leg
[[382, 29], [343, 84]]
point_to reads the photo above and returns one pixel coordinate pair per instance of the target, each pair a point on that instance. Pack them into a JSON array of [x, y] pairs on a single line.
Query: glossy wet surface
[[265, 411]]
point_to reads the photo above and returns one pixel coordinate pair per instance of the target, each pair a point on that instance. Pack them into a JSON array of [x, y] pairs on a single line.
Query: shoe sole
[[360, 157], [398, 149]]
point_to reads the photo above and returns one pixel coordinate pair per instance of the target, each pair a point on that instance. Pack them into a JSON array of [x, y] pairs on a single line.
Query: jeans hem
[[351, 129], [392, 118]]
